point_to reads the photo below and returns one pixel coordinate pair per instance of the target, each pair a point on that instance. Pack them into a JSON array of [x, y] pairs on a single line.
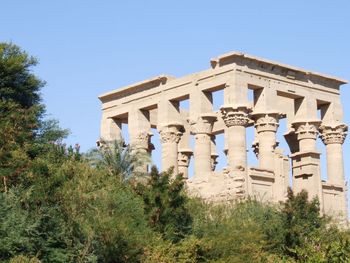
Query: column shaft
[[236, 119], [306, 162], [202, 128], [307, 144], [266, 127], [170, 137], [335, 166], [266, 149], [140, 145], [202, 157], [237, 152], [333, 137], [169, 156]]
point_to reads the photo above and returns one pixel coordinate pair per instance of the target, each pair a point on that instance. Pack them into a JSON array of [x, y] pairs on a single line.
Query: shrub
[[165, 204]]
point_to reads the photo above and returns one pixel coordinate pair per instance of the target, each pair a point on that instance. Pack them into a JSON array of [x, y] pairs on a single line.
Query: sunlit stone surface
[[280, 91]]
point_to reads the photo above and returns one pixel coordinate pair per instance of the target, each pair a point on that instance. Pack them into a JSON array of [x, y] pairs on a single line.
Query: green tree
[[14, 227], [109, 216], [234, 232], [32, 223], [310, 237], [166, 204], [301, 218], [22, 129], [17, 82]]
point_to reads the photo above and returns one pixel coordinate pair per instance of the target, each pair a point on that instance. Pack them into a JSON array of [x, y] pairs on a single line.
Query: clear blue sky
[[86, 48]]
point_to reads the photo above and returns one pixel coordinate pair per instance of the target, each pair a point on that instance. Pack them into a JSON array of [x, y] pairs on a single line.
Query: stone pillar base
[[222, 186], [306, 173]]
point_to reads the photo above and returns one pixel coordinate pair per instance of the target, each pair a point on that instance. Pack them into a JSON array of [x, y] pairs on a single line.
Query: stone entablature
[[280, 92]]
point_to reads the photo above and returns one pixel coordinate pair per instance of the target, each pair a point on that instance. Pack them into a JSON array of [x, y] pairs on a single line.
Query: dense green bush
[[109, 215], [165, 204], [235, 232]]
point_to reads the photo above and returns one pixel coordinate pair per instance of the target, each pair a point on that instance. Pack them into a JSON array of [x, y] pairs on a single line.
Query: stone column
[[184, 161], [306, 162], [170, 135], [142, 142], [236, 120], [281, 172], [306, 132], [266, 127], [202, 128], [140, 136], [141, 145], [333, 137]]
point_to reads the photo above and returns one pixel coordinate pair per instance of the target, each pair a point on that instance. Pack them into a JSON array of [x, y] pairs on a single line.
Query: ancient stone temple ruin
[[308, 102]]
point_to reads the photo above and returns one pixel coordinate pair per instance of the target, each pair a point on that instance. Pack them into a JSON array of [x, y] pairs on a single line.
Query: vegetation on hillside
[[59, 205]]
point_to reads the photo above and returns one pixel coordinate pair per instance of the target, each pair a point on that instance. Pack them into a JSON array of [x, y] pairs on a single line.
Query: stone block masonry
[[280, 92]]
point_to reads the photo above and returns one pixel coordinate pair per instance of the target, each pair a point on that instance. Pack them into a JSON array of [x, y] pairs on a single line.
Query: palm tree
[[118, 159]]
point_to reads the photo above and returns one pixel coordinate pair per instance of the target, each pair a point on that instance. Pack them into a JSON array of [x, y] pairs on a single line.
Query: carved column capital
[[141, 140], [255, 146], [306, 129], [203, 124], [235, 116], [214, 161], [184, 157], [144, 139], [333, 134], [170, 133], [266, 122]]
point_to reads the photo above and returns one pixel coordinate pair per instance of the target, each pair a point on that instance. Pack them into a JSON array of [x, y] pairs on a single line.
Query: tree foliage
[[109, 215], [165, 204], [301, 218], [118, 159], [17, 82], [23, 132]]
